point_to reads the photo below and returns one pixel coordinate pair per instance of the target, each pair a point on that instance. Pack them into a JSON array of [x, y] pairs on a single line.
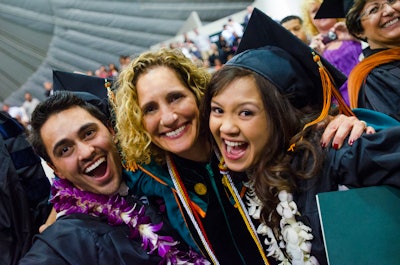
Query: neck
[[199, 152]]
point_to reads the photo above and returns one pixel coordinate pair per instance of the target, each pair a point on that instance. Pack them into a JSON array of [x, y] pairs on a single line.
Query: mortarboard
[[90, 88], [80, 82], [272, 51], [334, 9]]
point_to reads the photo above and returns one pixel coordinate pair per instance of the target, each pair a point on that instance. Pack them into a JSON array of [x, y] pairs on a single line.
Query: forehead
[[65, 124], [293, 23], [157, 81], [245, 88]]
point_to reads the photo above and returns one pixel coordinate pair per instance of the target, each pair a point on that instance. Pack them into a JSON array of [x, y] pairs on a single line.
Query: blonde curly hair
[[135, 142], [307, 20], [308, 23]]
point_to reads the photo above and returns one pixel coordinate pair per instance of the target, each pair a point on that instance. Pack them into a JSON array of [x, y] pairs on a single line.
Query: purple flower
[[68, 199]]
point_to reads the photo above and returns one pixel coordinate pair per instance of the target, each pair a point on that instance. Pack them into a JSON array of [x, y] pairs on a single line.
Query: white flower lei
[[295, 236]]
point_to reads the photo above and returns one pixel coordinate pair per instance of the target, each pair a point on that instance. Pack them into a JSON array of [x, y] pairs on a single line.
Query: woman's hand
[[342, 32], [317, 44], [340, 127]]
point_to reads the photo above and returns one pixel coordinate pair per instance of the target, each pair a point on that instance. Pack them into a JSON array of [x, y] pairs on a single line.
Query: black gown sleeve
[[374, 159]]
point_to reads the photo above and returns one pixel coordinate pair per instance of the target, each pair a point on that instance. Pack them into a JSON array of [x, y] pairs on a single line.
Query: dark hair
[[56, 103], [275, 171], [291, 17], [353, 21]]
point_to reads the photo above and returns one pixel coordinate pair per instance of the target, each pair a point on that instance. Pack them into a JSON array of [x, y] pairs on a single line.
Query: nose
[[86, 150], [168, 118], [386, 8], [228, 126]]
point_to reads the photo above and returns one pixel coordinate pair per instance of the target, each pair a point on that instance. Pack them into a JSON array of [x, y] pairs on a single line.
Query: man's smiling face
[[82, 150]]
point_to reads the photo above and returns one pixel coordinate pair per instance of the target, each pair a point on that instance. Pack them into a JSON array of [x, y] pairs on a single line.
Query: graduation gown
[[24, 191], [381, 90], [373, 159], [230, 240], [84, 239]]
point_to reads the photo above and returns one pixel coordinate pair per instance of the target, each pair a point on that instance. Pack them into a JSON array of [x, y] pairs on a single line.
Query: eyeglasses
[[376, 8]]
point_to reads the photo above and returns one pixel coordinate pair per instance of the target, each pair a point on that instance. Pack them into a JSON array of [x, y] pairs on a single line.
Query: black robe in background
[[381, 91], [24, 192]]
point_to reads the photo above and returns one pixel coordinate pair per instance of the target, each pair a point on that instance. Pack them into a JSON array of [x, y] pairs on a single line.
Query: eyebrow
[[64, 141]]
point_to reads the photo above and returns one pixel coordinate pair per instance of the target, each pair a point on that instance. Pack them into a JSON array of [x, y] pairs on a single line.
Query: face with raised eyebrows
[[239, 124], [82, 150], [170, 112]]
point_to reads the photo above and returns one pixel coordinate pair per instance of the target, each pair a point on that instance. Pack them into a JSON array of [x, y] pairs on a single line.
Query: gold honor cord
[[227, 181], [186, 204]]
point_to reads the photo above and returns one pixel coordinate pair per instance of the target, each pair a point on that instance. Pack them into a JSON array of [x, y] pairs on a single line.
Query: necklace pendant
[[200, 188]]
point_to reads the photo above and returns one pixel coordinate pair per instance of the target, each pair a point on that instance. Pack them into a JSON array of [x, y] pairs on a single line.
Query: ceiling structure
[[80, 35]]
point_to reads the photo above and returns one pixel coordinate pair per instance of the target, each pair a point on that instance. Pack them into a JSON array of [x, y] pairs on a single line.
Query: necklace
[[68, 199], [295, 236]]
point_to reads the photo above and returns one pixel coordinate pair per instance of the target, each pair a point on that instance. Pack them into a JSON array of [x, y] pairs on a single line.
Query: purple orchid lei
[[68, 199]]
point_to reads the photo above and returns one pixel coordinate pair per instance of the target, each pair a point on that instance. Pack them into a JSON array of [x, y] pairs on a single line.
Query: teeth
[[391, 23], [176, 132], [230, 145], [233, 144], [95, 165]]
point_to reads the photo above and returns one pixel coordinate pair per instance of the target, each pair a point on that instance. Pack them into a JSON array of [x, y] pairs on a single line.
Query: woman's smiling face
[[238, 123], [381, 24], [170, 112]]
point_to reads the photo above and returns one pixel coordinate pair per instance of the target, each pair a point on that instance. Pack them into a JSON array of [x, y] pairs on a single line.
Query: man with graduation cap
[[374, 82], [99, 220], [263, 107]]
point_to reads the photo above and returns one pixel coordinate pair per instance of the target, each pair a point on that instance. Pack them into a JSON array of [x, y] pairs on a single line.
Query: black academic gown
[[24, 192], [372, 160], [381, 91], [84, 239]]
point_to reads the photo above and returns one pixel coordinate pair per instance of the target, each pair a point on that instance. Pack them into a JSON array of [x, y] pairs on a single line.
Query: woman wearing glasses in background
[[375, 82]]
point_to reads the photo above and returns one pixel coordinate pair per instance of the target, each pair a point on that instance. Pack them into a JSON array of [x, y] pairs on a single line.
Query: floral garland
[[294, 238], [68, 199]]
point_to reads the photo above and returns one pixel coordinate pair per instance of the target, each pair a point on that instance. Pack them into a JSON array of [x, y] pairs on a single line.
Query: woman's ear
[[361, 36]]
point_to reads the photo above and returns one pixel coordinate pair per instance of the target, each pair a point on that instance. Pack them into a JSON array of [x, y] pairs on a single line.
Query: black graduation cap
[[286, 61], [92, 89], [334, 9]]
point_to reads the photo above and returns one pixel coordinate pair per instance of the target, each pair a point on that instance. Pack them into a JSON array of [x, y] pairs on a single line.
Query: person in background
[[48, 88], [162, 140], [246, 18], [18, 113], [24, 191], [294, 24], [29, 104], [374, 82], [99, 220], [203, 43], [327, 38], [268, 86]]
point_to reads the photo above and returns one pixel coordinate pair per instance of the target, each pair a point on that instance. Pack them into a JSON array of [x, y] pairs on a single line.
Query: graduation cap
[[334, 9], [90, 88], [293, 67]]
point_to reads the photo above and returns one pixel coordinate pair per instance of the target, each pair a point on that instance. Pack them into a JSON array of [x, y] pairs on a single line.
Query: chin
[[237, 167]]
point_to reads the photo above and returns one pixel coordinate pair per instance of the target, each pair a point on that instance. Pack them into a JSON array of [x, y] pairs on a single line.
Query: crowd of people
[[192, 166]]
